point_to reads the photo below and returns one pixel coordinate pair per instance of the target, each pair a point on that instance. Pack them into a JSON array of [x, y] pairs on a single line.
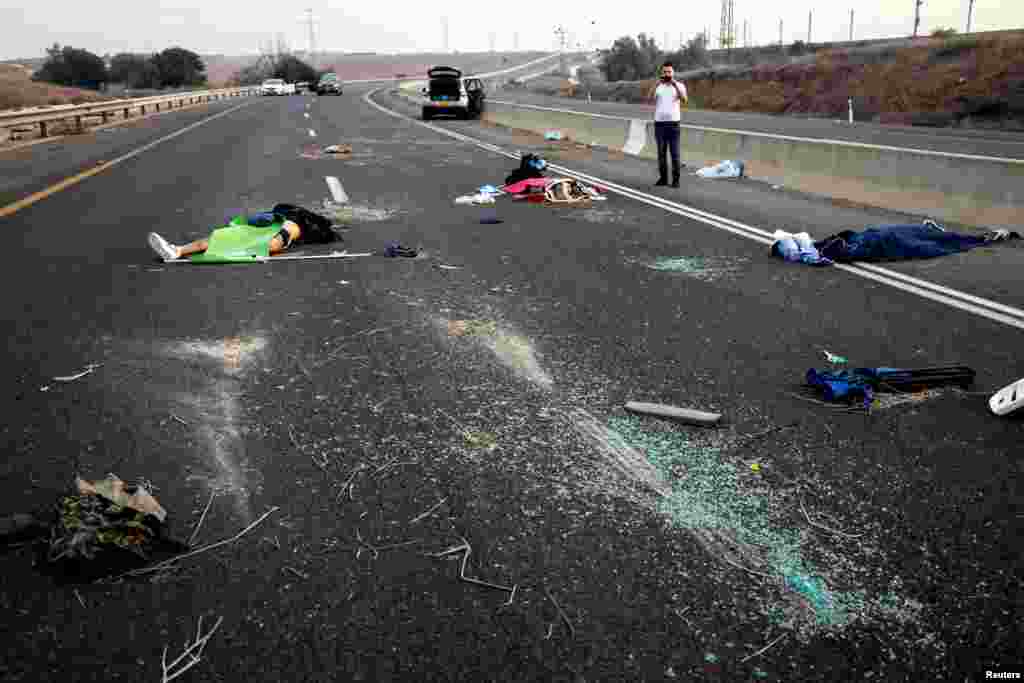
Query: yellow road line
[[35, 197]]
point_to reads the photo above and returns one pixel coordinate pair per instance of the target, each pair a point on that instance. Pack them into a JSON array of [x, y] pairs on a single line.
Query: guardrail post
[[42, 129], [126, 112], [158, 106], [78, 123], [104, 114]]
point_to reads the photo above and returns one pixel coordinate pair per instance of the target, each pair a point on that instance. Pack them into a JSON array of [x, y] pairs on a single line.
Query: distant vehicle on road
[[329, 84], [302, 86], [277, 86], [448, 92]]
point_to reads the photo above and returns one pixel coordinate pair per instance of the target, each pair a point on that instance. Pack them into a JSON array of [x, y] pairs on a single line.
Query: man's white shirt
[[667, 102]]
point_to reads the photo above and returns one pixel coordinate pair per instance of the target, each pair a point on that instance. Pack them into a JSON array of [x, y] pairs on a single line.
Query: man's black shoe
[[661, 183], [675, 183]]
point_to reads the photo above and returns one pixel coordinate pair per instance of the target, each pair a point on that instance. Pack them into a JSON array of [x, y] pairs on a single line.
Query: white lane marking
[[986, 308], [786, 138], [637, 137], [312, 133], [306, 114], [337, 191]]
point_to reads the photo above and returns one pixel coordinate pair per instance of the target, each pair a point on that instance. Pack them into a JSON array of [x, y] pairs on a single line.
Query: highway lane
[[291, 376], [1005, 144]]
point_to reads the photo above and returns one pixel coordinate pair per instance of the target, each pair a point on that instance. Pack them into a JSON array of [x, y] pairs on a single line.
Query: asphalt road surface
[[951, 140], [400, 412]]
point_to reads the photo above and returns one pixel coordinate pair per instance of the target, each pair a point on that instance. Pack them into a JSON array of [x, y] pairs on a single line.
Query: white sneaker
[[162, 247]]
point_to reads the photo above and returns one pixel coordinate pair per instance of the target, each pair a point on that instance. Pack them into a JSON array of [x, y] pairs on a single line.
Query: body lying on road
[[246, 238]]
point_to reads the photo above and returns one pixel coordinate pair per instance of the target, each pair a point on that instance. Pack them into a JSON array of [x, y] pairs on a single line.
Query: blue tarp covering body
[[895, 242]]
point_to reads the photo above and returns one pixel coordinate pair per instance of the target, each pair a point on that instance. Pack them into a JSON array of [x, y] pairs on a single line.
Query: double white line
[[1007, 315]]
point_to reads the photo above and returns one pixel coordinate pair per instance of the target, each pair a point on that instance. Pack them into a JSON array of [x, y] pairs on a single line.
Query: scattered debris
[[832, 358], [763, 649], [724, 169], [1008, 399], [475, 199], [445, 267], [483, 440], [703, 268], [178, 419], [429, 511], [462, 328], [553, 135], [394, 249], [375, 549], [561, 613], [696, 417], [467, 550], [115, 491], [195, 532], [863, 382], [338, 149], [193, 651], [212, 546], [755, 467], [71, 378], [490, 217]]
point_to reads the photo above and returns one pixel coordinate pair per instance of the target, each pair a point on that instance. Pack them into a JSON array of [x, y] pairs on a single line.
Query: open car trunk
[[445, 83]]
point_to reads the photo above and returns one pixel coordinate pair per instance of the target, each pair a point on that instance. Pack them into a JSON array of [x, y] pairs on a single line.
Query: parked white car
[[277, 86]]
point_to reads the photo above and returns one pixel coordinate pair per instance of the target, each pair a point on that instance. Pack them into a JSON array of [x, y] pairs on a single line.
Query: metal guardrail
[[41, 118]]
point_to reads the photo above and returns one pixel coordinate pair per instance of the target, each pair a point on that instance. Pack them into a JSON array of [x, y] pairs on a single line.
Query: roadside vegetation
[[71, 75], [938, 81]]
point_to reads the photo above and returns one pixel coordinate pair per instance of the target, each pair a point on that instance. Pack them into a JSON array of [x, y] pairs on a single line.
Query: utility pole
[[492, 38], [810, 13], [727, 30], [917, 15], [970, 10], [515, 41], [312, 38], [444, 32], [745, 42], [780, 33], [851, 25]]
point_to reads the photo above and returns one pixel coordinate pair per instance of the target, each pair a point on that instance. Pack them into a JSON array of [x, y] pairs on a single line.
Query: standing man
[[667, 99]]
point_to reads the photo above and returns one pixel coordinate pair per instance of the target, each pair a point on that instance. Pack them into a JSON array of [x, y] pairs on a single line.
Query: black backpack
[[316, 229], [530, 166]]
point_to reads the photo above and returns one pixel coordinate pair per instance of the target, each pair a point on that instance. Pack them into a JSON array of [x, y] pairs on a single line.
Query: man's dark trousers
[[666, 133]]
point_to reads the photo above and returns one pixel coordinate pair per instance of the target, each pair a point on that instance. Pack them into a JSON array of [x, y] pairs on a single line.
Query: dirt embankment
[[970, 80], [17, 89]]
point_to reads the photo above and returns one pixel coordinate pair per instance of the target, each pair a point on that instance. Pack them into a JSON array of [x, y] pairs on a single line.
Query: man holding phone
[[668, 98]]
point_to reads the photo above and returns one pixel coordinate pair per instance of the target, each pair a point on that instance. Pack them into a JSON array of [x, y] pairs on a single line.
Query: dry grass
[[937, 81], [18, 90]]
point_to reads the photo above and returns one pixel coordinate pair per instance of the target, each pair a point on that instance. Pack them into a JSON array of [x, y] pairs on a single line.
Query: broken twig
[[822, 526], [80, 600], [465, 548], [348, 484], [763, 649], [375, 549], [206, 548], [178, 419], [426, 514], [561, 613], [71, 378], [201, 519], [194, 651]]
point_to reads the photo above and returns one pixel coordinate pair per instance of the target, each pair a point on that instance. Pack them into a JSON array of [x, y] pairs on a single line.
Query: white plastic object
[[1008, 399]]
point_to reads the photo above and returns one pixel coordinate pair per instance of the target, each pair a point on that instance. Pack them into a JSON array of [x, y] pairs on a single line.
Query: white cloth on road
[[725, 169]]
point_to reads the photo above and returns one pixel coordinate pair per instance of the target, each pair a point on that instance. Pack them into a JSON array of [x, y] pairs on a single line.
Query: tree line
[[174, 67], [638, 59]]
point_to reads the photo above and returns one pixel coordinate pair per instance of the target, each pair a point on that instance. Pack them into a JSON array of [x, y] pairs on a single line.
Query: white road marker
[[337, 191], [312, 133]]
